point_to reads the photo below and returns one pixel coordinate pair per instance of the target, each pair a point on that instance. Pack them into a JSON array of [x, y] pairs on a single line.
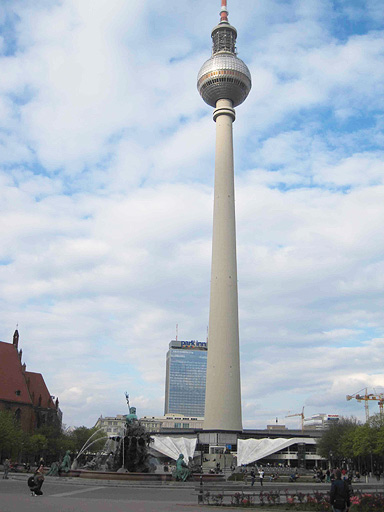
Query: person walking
[[261, 477], [6, 465], [253, 477], [340, 495]]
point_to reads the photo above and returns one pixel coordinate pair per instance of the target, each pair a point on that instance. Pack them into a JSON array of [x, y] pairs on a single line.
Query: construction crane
[[377, 397], [298, 414]]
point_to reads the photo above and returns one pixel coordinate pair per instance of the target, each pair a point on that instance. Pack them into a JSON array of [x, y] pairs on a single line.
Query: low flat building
[[112, 425], [293, 448], [221, 447], [276, 426], [320, 421], [171, 421]]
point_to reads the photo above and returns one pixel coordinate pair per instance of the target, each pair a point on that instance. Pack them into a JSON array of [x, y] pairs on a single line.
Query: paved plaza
[[80, 495], [95, 496]]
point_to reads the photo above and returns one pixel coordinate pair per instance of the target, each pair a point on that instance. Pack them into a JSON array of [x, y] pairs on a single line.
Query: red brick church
[[23, 393]]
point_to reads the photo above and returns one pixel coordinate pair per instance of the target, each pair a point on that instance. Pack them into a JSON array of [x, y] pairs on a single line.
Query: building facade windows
[[185, 378]]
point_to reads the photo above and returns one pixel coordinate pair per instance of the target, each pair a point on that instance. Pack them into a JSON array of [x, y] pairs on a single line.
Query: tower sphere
[[224, 76]]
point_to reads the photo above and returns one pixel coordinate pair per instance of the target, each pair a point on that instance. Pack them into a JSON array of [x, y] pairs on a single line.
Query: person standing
[[6, 465], [261, 477], [253, 477], [340, 495]]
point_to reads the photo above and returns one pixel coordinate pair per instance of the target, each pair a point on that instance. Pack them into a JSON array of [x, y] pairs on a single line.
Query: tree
[[38, 445], [379, 450], [376, 422], [56, 444], [346, 444], [335, 443], [10, 435], [79, 436], [364, 440]]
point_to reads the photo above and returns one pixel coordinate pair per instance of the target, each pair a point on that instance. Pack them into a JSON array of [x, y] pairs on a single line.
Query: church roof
[[13, 386], [37, 388]]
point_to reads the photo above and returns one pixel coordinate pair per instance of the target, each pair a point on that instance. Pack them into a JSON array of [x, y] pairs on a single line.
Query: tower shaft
[[223, 394], [224, 82]]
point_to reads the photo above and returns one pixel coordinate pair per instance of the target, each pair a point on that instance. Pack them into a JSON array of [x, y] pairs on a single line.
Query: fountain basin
[[146, 477]]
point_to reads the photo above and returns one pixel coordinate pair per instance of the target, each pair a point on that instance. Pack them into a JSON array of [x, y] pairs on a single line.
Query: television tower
[[224, 82]]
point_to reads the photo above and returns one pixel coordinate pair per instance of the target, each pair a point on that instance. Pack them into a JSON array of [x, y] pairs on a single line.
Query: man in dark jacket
[[340, 498]]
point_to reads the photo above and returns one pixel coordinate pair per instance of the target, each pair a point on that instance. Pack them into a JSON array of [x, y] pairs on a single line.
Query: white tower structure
[[224, 82]]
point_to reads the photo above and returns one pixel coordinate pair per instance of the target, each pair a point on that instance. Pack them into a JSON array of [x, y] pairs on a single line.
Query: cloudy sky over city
[[106, 198]]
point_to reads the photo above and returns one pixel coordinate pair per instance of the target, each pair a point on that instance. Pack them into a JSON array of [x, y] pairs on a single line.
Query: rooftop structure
[[320, 421]]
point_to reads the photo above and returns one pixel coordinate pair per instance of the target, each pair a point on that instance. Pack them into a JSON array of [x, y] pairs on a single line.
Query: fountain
[[127, 456], [128, 452], [124, 454], [86, 446]]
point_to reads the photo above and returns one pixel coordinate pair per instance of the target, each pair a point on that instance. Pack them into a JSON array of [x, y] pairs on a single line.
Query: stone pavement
[[78, 495], [61, 495], [83, 495]]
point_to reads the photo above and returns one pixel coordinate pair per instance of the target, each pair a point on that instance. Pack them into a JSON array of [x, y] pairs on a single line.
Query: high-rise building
[[224, 82], [185, 378]]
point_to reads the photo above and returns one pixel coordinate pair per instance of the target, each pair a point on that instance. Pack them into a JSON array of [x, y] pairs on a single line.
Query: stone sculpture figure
[[66, 463], [182, 471], [131, 417], [54, 470], [110, 462], [193, 466]]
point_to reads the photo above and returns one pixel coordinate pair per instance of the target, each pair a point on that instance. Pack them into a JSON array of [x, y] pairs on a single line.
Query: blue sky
[[106, 173]]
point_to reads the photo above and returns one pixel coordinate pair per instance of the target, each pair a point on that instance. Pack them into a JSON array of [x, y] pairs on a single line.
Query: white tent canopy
[[251, 450], [173, 446]]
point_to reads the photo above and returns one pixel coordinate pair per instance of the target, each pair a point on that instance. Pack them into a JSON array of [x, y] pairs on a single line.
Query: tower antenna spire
[[224, 11]]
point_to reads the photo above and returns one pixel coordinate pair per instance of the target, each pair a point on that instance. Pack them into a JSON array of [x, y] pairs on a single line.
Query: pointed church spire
[[16, 339]]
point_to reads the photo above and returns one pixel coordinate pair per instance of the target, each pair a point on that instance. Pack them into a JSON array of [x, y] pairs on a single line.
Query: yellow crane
[[377, 397], [298, 414]]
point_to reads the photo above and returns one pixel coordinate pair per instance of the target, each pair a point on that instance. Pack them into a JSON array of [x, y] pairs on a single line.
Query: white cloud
[[106, 173]]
